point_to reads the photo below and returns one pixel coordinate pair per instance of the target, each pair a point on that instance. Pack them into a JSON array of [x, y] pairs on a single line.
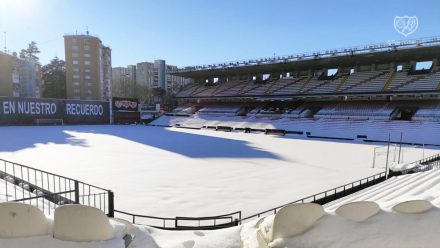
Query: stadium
[[268, 152]]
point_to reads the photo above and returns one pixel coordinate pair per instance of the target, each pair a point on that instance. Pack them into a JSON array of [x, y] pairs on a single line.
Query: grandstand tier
[[393, 70]]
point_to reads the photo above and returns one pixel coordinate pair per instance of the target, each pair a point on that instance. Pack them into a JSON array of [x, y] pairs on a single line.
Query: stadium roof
[[418, 49]]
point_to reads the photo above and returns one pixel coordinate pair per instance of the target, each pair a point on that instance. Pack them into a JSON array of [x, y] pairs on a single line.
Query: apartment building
[[88, 68], [19, 77]]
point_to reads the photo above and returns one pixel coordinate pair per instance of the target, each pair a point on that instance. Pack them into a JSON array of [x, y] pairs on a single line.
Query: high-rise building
[[123, 81], [107, 72], [19, 77], [157, 76], [88, 68]]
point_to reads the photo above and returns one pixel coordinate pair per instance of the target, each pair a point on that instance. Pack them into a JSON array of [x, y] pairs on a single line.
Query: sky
[[195, 32]]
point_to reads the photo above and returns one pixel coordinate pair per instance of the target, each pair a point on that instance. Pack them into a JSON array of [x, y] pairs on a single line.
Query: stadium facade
[[394, 80]]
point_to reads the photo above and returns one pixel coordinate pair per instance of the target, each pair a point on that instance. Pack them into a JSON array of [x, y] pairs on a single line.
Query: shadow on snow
[[186, 144]]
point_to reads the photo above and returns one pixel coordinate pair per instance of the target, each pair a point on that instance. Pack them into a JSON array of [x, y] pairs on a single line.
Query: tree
[[123, 88], [30, 52], [142, 92], [54, 79]]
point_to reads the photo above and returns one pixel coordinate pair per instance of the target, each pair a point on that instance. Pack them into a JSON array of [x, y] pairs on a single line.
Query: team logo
[[126, 104], [406, 25]]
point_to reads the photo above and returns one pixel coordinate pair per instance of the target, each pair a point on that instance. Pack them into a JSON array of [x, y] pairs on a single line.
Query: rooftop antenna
[[87, 30], [6, 49]]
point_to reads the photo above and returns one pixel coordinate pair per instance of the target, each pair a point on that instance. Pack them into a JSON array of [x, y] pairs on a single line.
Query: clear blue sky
[[191, 32]]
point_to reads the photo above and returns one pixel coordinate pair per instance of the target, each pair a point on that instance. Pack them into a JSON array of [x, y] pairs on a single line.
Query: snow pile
[[224, 238], [391, 230], [386, 229]]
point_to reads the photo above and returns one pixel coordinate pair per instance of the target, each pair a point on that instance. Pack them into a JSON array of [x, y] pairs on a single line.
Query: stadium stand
[[221, 110], [339, 94], [364, 110], [428, 113]]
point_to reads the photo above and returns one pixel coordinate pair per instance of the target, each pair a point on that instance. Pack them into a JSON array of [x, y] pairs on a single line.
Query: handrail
[[175, 221], [50, 173], [335, 52], [25, 182], [234, 218], [423, 165], [371, 180], [426, 162], [44, 195]]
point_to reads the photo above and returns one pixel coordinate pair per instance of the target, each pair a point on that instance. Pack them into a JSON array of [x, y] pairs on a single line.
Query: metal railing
[[183, 223], [347, 189], [425, 164], [329, 53], [328, 195], [47, 190]]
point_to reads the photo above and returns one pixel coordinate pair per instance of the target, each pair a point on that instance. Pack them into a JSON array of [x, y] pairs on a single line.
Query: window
[[86, 48], [423, 65], [89, 92], [75, 69], [76, 83], [75, 62], [76, 91], [399, 68], [86, 55], [351, 71], [74, 40], [75, 55], [87, 77], [86, 62], [75, 47], [332, 72], [75, 76], [266, 77]]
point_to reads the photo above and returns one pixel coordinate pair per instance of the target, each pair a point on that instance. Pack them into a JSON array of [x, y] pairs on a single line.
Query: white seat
[[21, 220], [413, 207], [81, 223], [358, 211], [292, 220]]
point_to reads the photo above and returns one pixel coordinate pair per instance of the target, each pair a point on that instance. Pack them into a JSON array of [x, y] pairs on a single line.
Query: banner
[[23, 111], [125, 104], [86, 112]]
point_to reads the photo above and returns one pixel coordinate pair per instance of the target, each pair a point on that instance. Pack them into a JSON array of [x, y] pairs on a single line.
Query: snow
[[225, 238], [383, 230], [416, 186], [387, 229], [421, 132], [177, 172], [170, 171]]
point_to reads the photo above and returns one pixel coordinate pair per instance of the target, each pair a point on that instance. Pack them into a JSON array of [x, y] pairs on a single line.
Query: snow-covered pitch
[[179, 172]]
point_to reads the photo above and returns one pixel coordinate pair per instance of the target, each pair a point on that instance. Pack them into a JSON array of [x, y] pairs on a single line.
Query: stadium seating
[[413, 207], [220, 110], [428, 113], [364, 110], [357, 82], [21, 220], [358, 211], [185, 110], [81, 223], [291, 220]]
